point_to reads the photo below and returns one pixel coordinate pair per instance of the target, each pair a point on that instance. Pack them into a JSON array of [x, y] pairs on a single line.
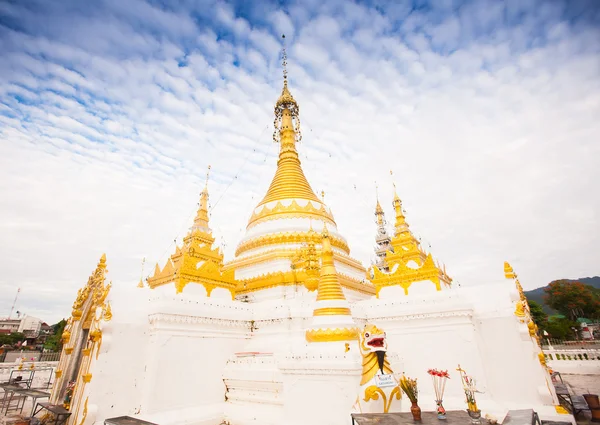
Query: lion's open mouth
[[376, 343]]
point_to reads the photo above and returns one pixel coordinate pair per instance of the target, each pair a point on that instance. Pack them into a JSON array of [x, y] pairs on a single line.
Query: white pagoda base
[[190, 360]]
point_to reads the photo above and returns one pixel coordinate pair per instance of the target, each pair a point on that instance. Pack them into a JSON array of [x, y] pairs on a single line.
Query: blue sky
[[110, 112]]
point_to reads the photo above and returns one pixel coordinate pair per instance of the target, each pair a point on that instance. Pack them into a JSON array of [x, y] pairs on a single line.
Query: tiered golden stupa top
[[406, 262], [196, 261], [279, 236], [332, 318], [289, 194]]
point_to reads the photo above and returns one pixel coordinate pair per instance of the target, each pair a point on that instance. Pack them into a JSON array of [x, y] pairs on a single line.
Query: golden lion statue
[[377, 380]]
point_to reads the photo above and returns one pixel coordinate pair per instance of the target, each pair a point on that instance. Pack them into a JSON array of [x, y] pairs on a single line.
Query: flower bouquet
[[439, 379], [409, 386], [470, 390], [69, 395]]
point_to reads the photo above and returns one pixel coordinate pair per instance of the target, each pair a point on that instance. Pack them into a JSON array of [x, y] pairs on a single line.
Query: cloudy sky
[[487, 112]]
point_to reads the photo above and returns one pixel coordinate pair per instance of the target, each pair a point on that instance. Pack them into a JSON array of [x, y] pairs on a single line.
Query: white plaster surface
[[186, 359]]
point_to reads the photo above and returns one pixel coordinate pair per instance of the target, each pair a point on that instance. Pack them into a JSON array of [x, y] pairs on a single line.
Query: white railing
[[572, 354], [577, 361], [41, 379]]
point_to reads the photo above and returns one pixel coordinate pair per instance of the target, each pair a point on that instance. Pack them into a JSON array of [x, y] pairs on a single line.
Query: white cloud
[[487, 115]]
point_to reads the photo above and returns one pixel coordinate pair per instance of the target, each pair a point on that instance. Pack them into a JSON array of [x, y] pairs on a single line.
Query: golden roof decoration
[[196, 260], [287, 238], [286, 102], [290, 209], [95, 290], [407, 249], [289, 181], [331, 302], [509, 273]]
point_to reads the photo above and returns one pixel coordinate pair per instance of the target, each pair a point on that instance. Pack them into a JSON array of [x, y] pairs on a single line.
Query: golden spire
[[329, 286], [379, 214], [401, 224], [338, 324], [201, 220], [289, 181]]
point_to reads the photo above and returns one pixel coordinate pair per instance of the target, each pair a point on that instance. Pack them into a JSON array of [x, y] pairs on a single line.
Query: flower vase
[[475, 416], [441, 412], [416, 411]]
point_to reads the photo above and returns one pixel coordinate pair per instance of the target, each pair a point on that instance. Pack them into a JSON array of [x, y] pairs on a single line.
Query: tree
[[573, 299], [561, 328], [12, 338], [54, 342], [538, 315]]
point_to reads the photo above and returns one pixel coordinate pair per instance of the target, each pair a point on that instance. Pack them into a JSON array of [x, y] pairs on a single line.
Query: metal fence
[[11, 356]]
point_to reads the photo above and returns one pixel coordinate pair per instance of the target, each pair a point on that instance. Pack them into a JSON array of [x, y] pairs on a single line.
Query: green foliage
[[54, 342], [560, 328], [573, 299], [12, 338], [538, 315]]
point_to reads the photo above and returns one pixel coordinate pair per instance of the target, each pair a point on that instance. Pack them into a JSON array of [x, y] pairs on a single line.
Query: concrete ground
[[583, 384]]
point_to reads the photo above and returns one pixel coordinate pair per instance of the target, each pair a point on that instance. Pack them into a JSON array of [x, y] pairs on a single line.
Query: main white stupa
[[271, 337]]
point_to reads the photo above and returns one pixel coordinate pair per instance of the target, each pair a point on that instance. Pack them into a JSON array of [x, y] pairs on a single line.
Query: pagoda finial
[[207, 174], [284, 61], [286, 102], [201, 220]]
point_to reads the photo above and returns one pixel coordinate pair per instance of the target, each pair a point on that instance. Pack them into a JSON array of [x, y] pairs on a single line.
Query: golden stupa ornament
[[405, 262], [196, 261], [286, 101]]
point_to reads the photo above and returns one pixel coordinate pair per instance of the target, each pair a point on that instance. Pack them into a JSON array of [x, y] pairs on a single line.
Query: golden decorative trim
[[330, 335], [58, 373], [95, 335], [283, 238], [68, 350], [406, 248], [281, 253], [272, 280], [196, 261], [332, 311], [519, 310], [86, 351], [290, 215], [85, 411], [404, 276], [293, 210], [509, 273], [87, 377], [373, 392], [542, 359], [107, 313]]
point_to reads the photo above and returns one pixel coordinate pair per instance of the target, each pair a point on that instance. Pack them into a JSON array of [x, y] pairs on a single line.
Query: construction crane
[[14, 303]]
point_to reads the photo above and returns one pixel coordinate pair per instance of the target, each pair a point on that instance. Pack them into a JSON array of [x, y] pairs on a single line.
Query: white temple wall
[[189, 353], [118, 373], [501, 345], [440, 341]]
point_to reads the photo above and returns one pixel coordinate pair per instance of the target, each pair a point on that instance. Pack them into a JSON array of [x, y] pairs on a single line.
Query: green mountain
[[537, 294]]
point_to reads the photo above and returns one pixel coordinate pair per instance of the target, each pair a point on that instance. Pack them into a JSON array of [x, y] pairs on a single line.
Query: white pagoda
[[271, 336]]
